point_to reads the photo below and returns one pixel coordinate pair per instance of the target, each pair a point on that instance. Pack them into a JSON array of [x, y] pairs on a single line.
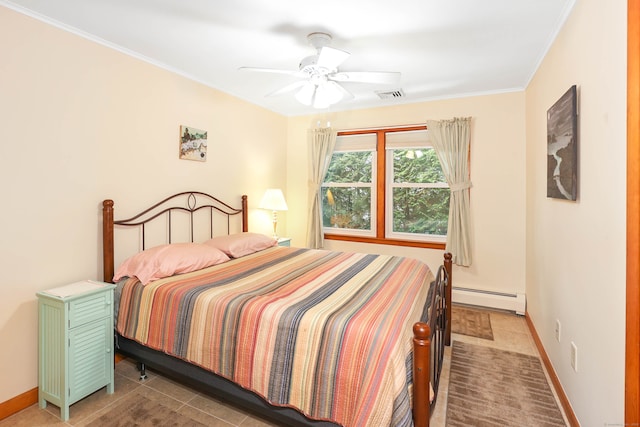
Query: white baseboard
[[498, 300]]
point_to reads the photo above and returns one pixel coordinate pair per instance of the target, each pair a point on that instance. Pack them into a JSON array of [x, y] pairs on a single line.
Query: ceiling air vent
[[398, 93]]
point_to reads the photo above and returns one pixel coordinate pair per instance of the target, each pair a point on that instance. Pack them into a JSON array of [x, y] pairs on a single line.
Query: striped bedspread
[[328, 333]]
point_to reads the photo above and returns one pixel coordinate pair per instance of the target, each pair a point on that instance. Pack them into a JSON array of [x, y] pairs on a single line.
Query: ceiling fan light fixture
[[334, 92], [321, 98], [327, 94], [306, 94], [320, 101]]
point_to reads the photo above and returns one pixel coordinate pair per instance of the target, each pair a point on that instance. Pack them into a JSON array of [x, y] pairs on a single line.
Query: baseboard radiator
[[503, 301]]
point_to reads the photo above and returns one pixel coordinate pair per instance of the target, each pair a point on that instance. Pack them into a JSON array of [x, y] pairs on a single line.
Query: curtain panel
[[321, 144], [451, 139]]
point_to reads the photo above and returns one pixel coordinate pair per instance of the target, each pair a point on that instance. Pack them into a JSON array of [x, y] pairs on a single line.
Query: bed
[[300, 336]]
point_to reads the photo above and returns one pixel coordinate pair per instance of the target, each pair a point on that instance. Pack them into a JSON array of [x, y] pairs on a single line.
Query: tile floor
[[510, 333]]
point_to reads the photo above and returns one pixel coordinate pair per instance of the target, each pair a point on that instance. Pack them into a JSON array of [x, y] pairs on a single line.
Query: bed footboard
[[429, 340]]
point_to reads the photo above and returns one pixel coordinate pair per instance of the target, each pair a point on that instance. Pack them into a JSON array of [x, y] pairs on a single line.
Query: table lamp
[[273, 200]]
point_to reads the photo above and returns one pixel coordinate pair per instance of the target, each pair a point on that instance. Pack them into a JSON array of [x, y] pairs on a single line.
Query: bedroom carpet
[[492, 387], [470, 322]]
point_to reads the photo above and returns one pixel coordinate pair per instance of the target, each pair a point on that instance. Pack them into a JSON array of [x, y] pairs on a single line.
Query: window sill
[[411, 243]]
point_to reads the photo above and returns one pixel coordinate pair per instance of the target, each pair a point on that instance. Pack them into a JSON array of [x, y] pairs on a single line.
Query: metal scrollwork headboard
[[188, 202]]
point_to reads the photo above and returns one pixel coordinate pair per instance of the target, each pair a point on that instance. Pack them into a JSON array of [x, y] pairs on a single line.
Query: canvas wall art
[[562, 147], [193, 143]]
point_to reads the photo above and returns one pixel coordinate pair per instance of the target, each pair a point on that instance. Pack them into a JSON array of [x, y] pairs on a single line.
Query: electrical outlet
[[574, 356], [557, 330]]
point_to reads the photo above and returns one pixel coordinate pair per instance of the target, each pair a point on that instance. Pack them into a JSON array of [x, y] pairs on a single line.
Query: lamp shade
[[273, 200]]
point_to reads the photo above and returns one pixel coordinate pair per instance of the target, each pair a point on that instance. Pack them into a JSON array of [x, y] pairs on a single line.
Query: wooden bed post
[[421, 374], [448, 266], [107, 240], [245, 214]]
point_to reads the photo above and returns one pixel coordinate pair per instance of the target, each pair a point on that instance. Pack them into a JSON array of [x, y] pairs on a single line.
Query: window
[[349, 189], [386, 186]]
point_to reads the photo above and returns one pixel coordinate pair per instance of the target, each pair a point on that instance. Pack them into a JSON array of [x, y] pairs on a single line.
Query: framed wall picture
[[562, 147], [193, 143]]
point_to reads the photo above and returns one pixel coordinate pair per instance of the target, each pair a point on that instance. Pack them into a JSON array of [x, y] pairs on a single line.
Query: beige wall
[[80, 122], [497, 173], [576, 250]]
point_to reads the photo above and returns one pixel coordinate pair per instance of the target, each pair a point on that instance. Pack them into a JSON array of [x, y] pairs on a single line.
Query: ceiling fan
[[320, 79]]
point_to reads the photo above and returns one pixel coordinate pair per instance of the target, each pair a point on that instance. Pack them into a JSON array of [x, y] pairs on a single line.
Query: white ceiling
[[443, 48]]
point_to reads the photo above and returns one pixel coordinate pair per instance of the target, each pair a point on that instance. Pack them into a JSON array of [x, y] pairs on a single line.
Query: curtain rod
[[394, 128]]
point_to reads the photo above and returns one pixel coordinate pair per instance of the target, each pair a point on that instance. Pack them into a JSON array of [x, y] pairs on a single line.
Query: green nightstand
[[75, 341], [284, 241]]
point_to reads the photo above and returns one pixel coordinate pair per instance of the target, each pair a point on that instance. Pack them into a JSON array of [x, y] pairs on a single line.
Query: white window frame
[[358, 143], [407, 140]]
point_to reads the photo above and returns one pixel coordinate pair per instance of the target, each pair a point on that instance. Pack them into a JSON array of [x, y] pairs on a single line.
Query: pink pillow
[[166, 260], [239, 245]]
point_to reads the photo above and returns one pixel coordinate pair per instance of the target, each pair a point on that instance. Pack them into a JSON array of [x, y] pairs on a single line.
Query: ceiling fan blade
[[288, 88], [377, 77], [296, 73], [331, 58], [345, 93]]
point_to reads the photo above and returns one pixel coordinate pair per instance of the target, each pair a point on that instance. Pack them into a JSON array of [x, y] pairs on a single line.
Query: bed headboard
[[189, 202]]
